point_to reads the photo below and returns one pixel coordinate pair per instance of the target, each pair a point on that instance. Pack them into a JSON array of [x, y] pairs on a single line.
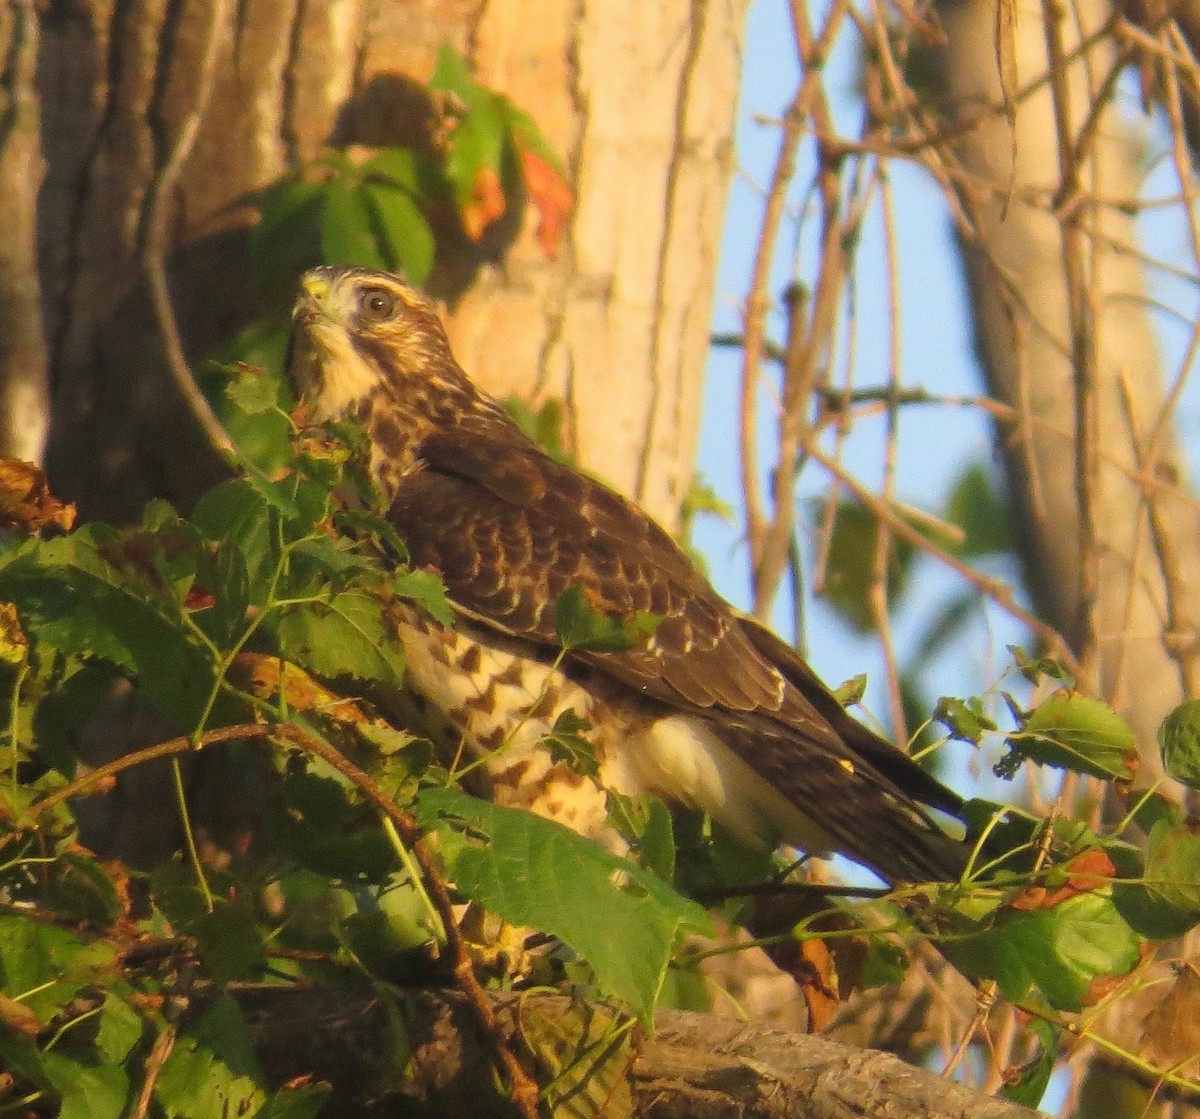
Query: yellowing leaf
[[485, 205], [25, 499]]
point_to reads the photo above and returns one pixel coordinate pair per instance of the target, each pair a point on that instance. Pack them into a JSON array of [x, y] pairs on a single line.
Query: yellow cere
[[316, 286]]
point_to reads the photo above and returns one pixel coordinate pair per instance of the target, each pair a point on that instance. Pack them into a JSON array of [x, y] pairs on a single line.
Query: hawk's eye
[[376, 304]]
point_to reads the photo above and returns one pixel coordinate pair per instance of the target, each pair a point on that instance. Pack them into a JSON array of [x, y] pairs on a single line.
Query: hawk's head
[[368, 347], [358, 333]]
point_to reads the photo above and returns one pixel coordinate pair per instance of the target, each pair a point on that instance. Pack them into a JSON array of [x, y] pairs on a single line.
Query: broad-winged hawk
[[709, 709]]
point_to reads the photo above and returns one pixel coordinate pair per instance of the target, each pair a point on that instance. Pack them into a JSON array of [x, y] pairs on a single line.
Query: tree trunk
[[1093, 424], [1105, 526], [23, 403], [638, 99]]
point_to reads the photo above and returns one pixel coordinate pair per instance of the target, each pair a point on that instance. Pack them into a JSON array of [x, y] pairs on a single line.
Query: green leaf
[[361, 523], [850, 691], [567, 743], [1179, 740], [886, 965], [237, 516], [578, 626], [211, 1072], [254, 391], [176, 895], [1035, 669], [125, 610], [850, 561], [88, 1090], [287, 238], [1057, 953], [623, 920], [582, 1054], [119, 1031], [646, 822], [347, 227], [302, 1101], [345, 636], [524, 129], [1031, 1080], [319, 827], [390, 936], [976, 506], [426, 589], [256, 352], [545, 427], [79, 888], [399, 167], [1163, 902], [45, 967], [1077, 732], [405, 236], [81, 688], [231, 944], [965, 720], [452, 74]]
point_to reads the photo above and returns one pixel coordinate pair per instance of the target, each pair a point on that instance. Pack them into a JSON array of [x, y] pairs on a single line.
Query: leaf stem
[[414, 876]]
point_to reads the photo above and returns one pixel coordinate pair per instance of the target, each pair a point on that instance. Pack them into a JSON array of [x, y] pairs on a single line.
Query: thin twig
[[995, 589], [883, 537], [813, 53], [1083, 348], [155, 240], [524, 1089], [93, 781]]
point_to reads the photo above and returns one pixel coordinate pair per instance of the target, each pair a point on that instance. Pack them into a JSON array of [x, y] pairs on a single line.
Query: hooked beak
[[314, 290]]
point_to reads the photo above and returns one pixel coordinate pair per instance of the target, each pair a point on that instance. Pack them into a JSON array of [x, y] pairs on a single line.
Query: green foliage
[[394, 208], [849, 562], [625, 921], [578, 626], [1072, 731], [1051, 955], [1161, 899], [387, 208], [1179, 739], [253, 619], [231, 618]]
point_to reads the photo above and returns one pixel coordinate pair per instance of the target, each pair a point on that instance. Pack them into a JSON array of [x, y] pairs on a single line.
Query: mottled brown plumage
[[710, 709]]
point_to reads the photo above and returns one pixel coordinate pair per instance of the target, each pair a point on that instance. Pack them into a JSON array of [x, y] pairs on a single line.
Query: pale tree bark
[[1094, 422], [23, 390], [638, 99]]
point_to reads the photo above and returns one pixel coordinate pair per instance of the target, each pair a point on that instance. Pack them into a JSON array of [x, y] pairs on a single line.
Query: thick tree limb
[[694, 1066]]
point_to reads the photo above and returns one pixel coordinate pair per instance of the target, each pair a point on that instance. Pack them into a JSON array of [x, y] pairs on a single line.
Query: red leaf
[[1088, 871], [551, 196]]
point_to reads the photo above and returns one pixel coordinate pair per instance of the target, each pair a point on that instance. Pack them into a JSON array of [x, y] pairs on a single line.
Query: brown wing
[[510, 530], [509, 542]]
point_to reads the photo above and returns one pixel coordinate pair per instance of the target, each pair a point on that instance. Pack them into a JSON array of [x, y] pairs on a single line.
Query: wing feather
[[508, 553]]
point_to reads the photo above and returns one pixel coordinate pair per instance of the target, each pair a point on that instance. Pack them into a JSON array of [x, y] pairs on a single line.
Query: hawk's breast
[[489, 699], [499, 702]]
